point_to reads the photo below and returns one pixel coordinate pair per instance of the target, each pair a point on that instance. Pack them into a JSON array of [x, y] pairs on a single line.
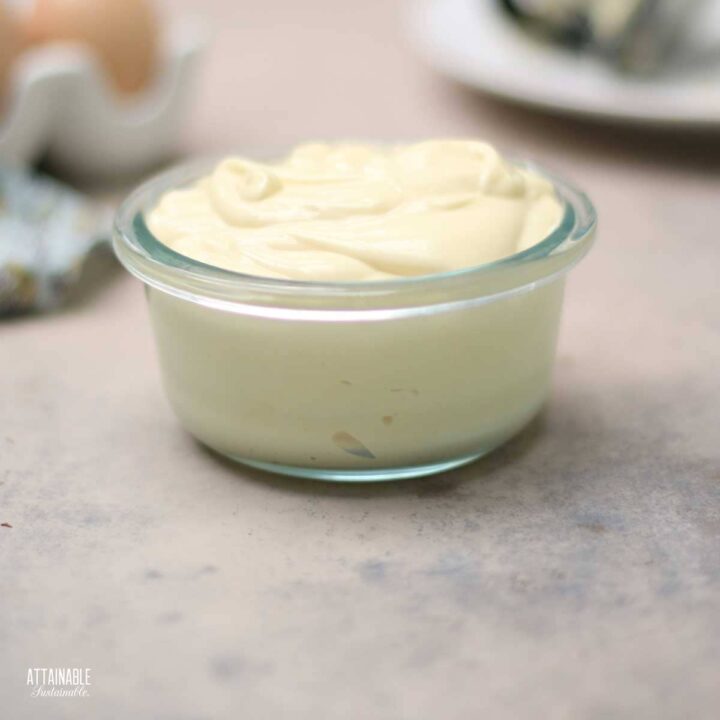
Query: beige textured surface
[[574, 574]]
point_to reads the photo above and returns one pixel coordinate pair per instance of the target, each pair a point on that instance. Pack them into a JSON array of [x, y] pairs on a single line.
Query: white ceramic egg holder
[[60, 102]]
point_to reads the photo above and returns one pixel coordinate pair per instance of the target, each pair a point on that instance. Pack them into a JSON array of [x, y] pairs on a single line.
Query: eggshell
[[123, 34]]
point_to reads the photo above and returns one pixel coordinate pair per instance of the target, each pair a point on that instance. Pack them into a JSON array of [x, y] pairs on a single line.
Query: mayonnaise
[[359, 212]]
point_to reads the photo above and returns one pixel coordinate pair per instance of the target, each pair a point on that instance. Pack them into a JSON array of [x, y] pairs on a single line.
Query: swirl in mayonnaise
[[350, 212]]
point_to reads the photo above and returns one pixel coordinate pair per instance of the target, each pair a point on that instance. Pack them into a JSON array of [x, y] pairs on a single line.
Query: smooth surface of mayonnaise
[[359, 212]]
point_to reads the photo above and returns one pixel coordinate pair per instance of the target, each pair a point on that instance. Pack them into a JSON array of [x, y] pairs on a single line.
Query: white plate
[[472, 41]]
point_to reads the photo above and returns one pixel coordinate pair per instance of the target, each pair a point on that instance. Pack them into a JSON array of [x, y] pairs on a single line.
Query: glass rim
[[158, 265]]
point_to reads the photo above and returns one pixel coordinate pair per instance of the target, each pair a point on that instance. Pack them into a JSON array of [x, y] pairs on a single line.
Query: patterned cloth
[[47, 231]]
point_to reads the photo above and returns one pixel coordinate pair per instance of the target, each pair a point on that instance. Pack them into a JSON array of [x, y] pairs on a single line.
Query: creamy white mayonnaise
[[351, 212]]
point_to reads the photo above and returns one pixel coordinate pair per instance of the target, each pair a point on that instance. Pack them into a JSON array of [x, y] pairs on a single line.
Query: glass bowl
[[354, 381]]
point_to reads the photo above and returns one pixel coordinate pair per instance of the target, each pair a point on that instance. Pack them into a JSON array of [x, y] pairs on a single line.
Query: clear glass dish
[[354, 381]]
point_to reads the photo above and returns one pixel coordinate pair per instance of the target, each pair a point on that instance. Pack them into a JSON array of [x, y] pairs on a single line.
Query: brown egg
[[10, 45], [123, 34]]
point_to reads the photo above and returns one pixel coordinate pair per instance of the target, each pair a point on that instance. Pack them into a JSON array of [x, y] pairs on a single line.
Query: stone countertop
[[573, 574]]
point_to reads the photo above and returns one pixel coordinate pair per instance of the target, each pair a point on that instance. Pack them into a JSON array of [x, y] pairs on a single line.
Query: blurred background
[[572, 575]]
